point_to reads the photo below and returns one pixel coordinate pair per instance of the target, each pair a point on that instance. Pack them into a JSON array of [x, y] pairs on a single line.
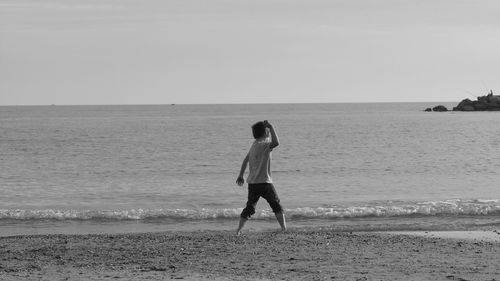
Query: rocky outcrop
[[439, 108], [489, 102]]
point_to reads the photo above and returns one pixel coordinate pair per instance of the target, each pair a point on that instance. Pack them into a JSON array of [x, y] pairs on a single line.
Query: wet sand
[[300, 254]]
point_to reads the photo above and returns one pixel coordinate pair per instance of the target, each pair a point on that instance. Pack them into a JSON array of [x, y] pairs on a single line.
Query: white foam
[[379, 209]]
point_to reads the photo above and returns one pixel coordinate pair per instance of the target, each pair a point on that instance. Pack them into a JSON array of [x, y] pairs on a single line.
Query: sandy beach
[[299, 254]]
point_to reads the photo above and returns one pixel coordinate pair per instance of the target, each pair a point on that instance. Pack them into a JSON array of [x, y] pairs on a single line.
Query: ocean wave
[[379, 209]]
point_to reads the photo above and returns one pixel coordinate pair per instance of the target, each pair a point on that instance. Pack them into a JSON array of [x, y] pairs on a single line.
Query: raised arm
[[240, 181], [275, 141]]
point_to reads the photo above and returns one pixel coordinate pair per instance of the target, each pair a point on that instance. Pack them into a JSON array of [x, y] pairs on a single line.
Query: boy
[[259, 177]]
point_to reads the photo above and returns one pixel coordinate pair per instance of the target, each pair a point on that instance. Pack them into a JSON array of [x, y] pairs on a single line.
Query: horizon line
[[250, 103]]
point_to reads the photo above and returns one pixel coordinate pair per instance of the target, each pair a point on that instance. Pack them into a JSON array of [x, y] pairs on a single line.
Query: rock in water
[[440, 108], [489, 102], [468, 108]]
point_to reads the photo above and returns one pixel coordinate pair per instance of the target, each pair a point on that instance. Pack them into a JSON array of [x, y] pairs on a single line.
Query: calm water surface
[[86, 167]]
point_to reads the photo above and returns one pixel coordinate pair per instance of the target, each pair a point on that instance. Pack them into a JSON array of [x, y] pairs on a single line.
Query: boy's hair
[[258, 130]]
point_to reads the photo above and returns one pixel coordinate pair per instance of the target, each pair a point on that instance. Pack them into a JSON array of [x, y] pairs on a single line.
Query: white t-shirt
[[259, 159]]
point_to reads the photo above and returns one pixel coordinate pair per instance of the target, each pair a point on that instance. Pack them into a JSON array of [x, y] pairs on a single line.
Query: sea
[[147, 168]]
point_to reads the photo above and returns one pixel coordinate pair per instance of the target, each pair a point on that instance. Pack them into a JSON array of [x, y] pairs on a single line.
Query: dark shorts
[[265, 190]]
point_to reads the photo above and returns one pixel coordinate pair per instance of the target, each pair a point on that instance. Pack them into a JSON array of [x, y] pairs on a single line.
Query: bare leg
[[281, 220], [241, 225]]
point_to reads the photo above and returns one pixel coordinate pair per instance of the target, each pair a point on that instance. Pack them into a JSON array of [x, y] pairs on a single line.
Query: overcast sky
[[247, 51]]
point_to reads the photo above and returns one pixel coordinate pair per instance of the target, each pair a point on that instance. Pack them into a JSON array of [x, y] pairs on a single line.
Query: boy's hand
[[240, 181], [267, 124]]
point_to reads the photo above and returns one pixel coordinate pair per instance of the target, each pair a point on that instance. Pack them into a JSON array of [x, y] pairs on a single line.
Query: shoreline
[[298, 254]]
